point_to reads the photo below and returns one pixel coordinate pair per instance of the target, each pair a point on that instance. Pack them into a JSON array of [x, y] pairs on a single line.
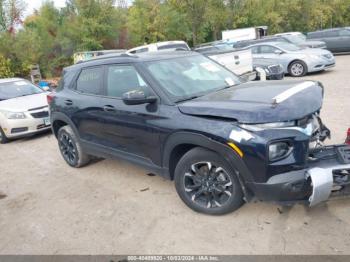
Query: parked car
[[23, 109], [300, 40], [167, 45], [293, 38], [336, 39], [347, 140], [273, 71], [189, 119], [295, 60]]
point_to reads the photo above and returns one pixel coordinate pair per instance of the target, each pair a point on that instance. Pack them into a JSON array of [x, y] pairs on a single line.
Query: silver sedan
[[295, 60]]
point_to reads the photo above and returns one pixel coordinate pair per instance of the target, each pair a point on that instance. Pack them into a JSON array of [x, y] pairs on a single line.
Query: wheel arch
[[59, 120], [181, 142], [297, 60]]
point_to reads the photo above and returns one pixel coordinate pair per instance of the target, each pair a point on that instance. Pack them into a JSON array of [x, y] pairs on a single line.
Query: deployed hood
[[24, 103], [259, 102]]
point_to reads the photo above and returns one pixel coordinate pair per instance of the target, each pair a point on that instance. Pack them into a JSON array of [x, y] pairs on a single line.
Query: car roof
[[265, 43], [9, 80], [132, 58]]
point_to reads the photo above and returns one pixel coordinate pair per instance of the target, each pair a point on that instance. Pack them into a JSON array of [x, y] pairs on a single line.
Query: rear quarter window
[[90, 81]]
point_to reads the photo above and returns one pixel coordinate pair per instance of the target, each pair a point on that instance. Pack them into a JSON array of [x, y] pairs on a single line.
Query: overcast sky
[[35, 4]]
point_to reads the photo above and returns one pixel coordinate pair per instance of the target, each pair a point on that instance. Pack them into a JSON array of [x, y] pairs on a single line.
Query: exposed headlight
[[260, 127], [279, 150], [14, 115]]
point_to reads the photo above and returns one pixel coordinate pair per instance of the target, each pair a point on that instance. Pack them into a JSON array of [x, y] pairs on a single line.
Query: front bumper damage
[[327, 176]]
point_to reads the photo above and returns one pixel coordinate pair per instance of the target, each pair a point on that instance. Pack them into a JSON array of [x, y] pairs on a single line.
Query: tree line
[[50, 36]]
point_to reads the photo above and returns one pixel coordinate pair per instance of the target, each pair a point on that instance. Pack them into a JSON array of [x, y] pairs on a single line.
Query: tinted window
[[266, 49], [90, 81], [122, 79]]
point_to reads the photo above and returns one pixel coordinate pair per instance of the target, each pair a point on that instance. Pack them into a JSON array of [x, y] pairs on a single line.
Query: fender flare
[[58, 116], [185, 137]]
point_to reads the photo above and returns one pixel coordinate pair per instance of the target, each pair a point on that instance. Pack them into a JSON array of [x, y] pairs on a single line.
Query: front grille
[[41, 114], [275, 69], [18, 130]]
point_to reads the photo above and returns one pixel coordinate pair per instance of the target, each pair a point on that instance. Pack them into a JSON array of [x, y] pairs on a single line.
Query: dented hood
[[259, 102]]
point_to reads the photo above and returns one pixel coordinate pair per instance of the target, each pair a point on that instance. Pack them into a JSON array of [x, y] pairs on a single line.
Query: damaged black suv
[[188, 119]]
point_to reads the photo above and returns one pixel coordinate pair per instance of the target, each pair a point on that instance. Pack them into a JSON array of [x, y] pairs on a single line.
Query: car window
[[122, 79], [9, 90], [185, 77], [90, 81], [333, 33], [255, 50], [267, 49], [344, 32]]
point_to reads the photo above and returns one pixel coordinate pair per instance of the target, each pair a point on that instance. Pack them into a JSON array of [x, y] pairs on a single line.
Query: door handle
[[109, 108], [68, 102]]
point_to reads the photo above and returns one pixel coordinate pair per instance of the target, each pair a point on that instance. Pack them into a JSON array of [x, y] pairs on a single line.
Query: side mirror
[[278, 52], [137, 97]]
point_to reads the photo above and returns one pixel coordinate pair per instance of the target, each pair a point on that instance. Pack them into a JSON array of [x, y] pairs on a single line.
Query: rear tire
[[207, 183], [3, 138], [70, 148], [297, 69]]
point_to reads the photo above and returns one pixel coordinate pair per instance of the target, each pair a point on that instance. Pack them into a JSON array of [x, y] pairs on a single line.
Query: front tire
[[3, 138], [297, 69], [207, 183], [70, 148]]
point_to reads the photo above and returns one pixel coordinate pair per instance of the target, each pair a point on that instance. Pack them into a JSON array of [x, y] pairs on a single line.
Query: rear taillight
[[347, 140], [50, 97]]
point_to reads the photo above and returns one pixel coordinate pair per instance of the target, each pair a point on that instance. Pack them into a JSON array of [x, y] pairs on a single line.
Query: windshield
[[296, 39], [188, 77], [17, 88], [288, 46]]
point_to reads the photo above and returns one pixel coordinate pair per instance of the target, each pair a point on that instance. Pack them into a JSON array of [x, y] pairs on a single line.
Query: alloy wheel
[[68, 148], [297, 69], [208, 185]]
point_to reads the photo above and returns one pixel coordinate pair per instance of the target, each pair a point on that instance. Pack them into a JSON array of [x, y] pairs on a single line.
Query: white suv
[[168, 45], [23, 109]]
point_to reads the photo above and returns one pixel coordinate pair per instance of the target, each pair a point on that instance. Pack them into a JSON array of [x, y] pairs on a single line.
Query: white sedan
[[23, 109]]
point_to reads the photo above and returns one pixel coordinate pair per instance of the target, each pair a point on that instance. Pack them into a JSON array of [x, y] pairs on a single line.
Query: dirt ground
[[112, 207]]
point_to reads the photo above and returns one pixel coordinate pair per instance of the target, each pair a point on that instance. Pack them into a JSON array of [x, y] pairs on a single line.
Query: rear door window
[[90, 81]]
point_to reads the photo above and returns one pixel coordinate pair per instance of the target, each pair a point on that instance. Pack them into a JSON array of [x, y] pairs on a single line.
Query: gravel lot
[[112, 207]]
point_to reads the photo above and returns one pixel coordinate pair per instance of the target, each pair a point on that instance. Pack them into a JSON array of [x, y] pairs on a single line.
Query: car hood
[[259, 102], [24, 103]]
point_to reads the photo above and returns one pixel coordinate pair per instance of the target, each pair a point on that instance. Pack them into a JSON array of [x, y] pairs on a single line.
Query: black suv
[[185, 117]]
